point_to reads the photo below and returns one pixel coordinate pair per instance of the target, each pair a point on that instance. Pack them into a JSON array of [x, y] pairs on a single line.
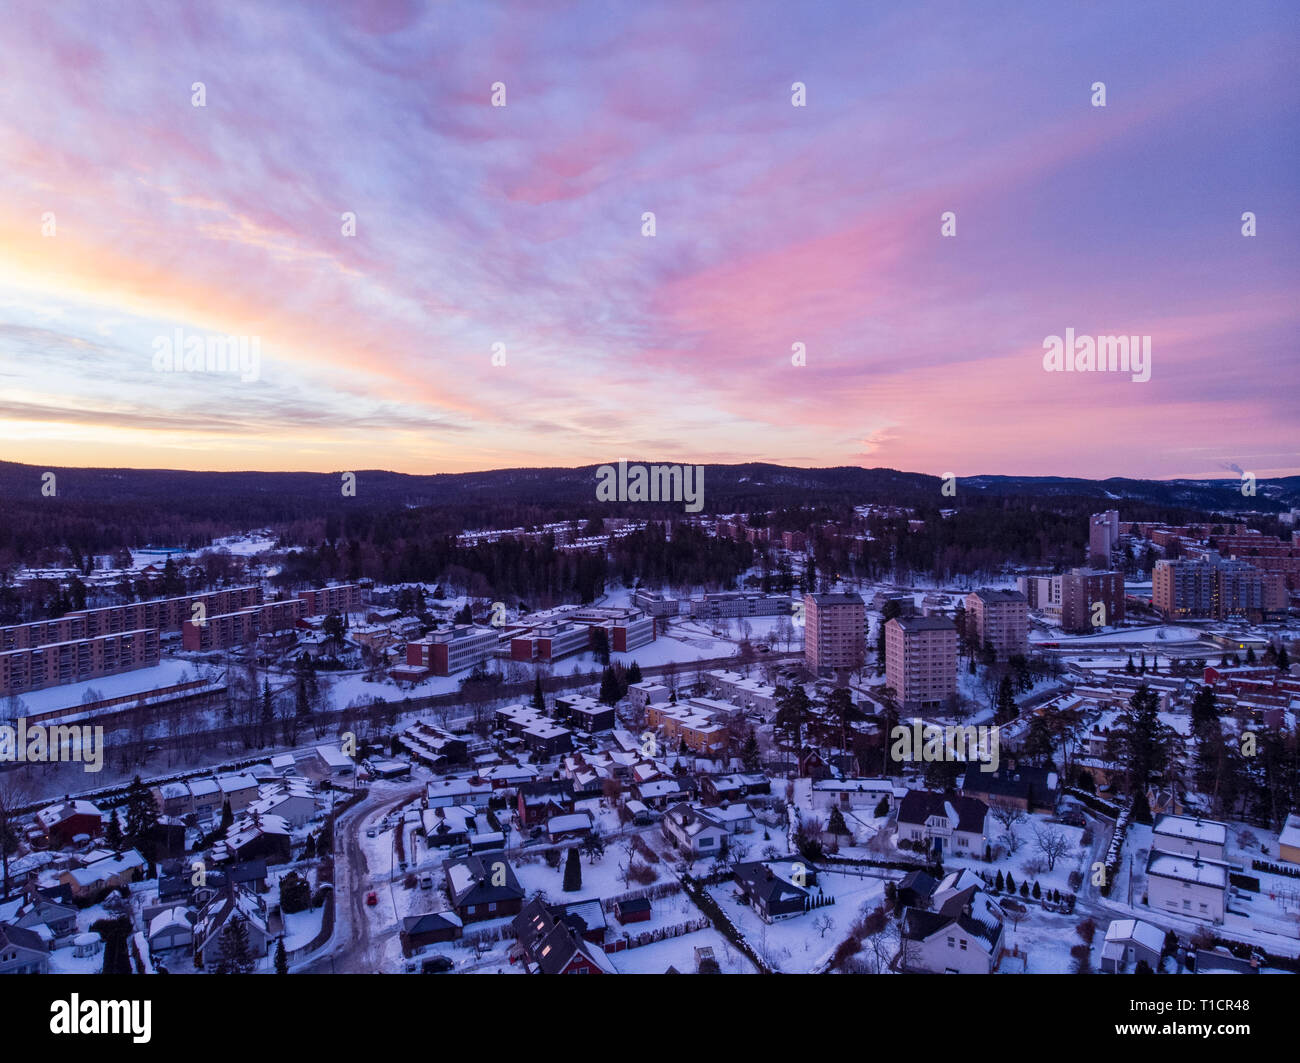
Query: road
[[356, 950]]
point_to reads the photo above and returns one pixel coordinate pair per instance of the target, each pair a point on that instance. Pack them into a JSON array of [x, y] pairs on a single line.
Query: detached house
[[693, 831], [22, 951], [66, 821], [233, 902], [547, 944], [539, 801], [482, 887], [962, 935], [775, 894], [944, 822]]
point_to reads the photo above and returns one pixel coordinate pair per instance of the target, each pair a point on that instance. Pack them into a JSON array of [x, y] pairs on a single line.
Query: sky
[[500, 303]]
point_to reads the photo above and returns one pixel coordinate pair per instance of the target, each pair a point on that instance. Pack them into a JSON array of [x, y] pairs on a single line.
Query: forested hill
[[96, 509]]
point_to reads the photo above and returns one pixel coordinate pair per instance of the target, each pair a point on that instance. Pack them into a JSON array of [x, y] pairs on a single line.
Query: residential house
[[419, 931], [1187, 885], [22, 951], [962, 935], [1130, 941], [547, 944], [693, 832], [1189, 836], [1023, 786], [944, 822], [482, 887], [233, 902], [775, 894], [64, 822]]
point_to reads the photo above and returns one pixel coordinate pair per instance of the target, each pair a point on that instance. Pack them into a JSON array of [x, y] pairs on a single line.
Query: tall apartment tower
[[1083, 591], [921, 661], [1103, 537], [1000, 618], [835, 631]]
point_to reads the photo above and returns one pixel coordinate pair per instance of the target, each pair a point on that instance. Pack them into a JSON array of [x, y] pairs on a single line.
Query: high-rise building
[[1091, 598], [1103, 537], [835, 631], [1000, 619], [1211, 586], [921, 661]]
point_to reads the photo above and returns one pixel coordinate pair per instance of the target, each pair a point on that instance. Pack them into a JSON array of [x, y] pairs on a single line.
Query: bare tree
[[823, 923], [1053, 844], [14, 794], [1008, 815]]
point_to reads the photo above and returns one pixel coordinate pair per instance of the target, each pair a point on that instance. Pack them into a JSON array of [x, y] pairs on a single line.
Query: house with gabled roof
[[775, 890], [233, 902], [22, 951], [547, 944], [961, 935], [944, 822], [482, 887]]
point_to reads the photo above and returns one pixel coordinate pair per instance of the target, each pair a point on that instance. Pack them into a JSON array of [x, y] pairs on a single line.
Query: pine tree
[[1024, 889], [882, 808], [1006, 705], [281, 958], [634, 673], [301, 704], [142, 821], [113, 833], [749, 752], [999, 883], [1130, 668], [539, 699], [1037, 891], [1011, 883], [235, 955], [1250, 655], [836, 824], [1283, 661], [572, 872]]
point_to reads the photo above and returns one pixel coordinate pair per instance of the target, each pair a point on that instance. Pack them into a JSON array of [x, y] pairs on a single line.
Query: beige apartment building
[[999, 618], [921, 661], [835, 631]]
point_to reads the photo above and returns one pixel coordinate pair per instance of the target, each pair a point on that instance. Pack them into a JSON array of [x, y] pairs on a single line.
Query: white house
[[961, 936], [945, 824], [692, 832], [1187, 885], [1128, 941], [1190, 837]]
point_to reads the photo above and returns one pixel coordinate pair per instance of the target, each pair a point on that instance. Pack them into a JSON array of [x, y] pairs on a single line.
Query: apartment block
[[241, 628], [453, 649], [1082, 590], [1210, 586], [339, 598], [1043, 595], [1267, 553], [835, 631], [999, 618], [921, 661], [38, 667]]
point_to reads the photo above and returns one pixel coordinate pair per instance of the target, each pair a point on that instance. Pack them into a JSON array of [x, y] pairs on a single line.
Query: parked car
[[371, 899], [426, 882], [372, 832], [436, 965]]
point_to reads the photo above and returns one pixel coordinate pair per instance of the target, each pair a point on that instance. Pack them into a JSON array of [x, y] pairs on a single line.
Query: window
[[951, 941], [1187, 905], [963, 944]]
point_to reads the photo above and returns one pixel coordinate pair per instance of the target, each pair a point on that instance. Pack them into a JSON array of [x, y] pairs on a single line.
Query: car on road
[[426, 882], [371, 899], [372, 832]]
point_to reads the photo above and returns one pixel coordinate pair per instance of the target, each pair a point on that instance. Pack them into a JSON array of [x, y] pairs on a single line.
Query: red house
[[66, 820]]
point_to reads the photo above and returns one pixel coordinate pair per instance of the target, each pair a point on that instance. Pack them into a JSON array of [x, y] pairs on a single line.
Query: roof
[[1188, 869], [1290, 831], [469, 879], [21, 937], [925, 623], [918, 806], [430, 921], [1185, 827], [1146, 935]]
